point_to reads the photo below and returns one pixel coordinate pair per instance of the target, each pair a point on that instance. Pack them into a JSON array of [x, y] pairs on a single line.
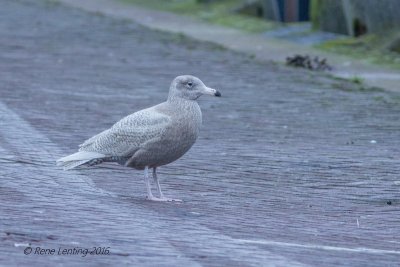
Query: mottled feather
[[128, 135], [150, 137]]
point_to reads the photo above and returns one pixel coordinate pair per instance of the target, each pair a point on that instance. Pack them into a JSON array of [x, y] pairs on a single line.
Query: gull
[[149, 138]]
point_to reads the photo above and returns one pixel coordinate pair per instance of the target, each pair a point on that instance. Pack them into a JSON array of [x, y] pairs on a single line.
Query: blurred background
[[367, 29]]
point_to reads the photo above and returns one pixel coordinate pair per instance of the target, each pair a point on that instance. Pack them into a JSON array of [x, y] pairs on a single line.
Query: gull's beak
[[211, 91]]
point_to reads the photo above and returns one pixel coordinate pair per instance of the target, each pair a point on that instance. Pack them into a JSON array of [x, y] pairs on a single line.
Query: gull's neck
[[186, 106], [176, 100]]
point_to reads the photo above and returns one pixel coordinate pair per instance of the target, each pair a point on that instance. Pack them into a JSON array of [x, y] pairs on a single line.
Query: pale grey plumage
[[151, 137]]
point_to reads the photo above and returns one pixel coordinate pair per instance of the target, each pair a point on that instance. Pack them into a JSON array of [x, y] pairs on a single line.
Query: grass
[[352, 84], [357, 80], [218, 12], [371, 48]]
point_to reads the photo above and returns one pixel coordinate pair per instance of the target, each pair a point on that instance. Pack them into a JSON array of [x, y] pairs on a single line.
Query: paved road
[[291, 169]]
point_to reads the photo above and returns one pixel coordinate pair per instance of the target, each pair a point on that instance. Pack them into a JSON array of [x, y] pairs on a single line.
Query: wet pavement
[[291, 168], [303, 34]]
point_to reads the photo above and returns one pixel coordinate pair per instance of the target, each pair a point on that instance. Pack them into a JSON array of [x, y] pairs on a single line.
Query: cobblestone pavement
[[291, 168]]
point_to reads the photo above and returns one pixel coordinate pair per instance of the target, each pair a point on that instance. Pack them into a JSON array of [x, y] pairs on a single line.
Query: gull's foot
[[170, 199], [163, 199]]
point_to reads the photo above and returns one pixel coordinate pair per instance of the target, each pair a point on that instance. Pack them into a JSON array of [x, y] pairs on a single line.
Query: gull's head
[[190, 87]]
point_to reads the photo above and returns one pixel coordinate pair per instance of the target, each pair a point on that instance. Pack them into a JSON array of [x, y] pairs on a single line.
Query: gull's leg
[[148, 186], [155, 177], [162, 198]]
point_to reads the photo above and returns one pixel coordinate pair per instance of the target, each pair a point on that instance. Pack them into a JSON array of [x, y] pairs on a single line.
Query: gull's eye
[[190, 84]]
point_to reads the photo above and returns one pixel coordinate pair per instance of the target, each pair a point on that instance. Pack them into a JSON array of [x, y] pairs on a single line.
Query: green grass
[[370, 48], [219, 13], [357, 80]]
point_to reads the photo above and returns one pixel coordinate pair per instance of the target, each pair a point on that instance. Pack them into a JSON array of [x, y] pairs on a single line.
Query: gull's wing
[[129, 134]]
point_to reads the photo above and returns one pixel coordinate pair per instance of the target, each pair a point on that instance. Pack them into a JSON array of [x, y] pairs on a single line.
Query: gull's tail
[[79, 158]]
